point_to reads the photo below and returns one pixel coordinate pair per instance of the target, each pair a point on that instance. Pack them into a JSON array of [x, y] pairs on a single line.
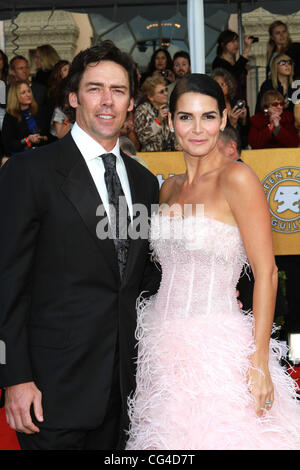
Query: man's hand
[[18, 400]]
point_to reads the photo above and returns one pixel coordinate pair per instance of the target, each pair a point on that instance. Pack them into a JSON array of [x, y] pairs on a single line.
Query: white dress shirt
[[91, 150]]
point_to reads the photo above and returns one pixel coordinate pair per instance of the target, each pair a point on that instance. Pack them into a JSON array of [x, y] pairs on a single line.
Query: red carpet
[[8, 439]]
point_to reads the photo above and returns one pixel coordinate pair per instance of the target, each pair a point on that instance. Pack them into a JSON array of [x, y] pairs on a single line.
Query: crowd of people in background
[[33, 112]]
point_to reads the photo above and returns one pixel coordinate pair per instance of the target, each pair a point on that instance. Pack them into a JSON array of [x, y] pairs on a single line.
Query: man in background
[[229, 143], [181, 68], [128, 147], [19, 71]]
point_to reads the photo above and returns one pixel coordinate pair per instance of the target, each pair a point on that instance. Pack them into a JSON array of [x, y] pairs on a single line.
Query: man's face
[[181, 67], [20, 70], [102, 102]]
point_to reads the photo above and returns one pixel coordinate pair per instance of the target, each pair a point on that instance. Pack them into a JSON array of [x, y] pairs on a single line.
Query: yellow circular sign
[[282, 188]]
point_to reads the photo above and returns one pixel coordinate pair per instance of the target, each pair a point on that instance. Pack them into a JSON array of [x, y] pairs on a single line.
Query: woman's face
[[160, 61], [221, 81], [284, 66], [197, 123], [232, 47], [24, 96], [276, 107], [160, 96], [280, 35], [64, 71]]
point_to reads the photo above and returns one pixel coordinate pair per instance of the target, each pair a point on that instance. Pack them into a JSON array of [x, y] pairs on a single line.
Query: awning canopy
[[123, 10]]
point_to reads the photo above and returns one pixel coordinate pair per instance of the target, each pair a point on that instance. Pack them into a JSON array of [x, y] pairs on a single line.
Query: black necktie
[[119, 214]]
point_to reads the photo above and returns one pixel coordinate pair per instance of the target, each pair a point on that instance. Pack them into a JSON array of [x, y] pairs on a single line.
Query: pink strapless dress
[[194, 347]]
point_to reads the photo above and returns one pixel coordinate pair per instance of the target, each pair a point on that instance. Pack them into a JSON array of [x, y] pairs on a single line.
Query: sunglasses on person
[[285, 61], [164, 90], [276, 104]]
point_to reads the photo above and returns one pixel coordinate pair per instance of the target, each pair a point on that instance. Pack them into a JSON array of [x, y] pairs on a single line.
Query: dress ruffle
[[194, 349], [192, 391]]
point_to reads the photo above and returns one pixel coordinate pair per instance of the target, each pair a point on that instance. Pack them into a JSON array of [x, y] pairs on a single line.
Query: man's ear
[[131, 104], [233, 148], [73, 100]]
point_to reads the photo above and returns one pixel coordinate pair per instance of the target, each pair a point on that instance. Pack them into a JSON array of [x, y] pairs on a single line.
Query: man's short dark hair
[[230, 133], [107, 51], [13, 60], [183, 54]]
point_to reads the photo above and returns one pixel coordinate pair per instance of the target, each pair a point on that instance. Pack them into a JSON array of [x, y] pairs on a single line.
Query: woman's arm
[[260, 135], [286, 134], [247, 201], [12, 135]]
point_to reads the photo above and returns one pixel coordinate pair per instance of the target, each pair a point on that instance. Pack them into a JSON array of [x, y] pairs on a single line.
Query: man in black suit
[[68, 294]]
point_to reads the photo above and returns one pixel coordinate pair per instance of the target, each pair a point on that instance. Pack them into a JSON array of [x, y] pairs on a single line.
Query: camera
[[164, 73], [254, 39], [239, 104]]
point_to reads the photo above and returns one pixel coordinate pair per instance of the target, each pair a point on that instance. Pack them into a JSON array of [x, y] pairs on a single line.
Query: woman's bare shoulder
[[236, 173]]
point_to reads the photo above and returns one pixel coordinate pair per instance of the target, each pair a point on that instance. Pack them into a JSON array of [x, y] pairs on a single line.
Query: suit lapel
[[81, 191]]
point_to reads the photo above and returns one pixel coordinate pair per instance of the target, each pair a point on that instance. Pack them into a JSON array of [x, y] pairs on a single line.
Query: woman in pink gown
[[208, 374]]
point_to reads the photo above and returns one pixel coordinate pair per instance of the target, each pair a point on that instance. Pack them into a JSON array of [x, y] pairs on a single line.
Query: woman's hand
[[235, 114], [274, 116], [163, 113], [261, 386], [34, 138], [167, 74], [247, 45], [171, 76]]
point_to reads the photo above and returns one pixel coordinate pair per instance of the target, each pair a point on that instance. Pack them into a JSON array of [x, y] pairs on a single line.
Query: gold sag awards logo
[[282, 188]]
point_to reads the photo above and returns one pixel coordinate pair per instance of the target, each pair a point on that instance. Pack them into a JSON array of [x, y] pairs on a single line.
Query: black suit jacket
[[63, 307]]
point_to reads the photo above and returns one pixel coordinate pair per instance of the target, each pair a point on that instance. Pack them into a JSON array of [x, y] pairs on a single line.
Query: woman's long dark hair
[[55, 79], [224, 38], [197, 83], [151, 65]]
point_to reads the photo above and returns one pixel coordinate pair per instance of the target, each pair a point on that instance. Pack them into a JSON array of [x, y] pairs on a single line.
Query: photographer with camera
[[151, 118], [237, 110], [160, 65], [228, 47]]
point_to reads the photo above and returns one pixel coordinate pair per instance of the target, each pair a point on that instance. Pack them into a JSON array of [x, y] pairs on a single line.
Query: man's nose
[[106, 97]]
